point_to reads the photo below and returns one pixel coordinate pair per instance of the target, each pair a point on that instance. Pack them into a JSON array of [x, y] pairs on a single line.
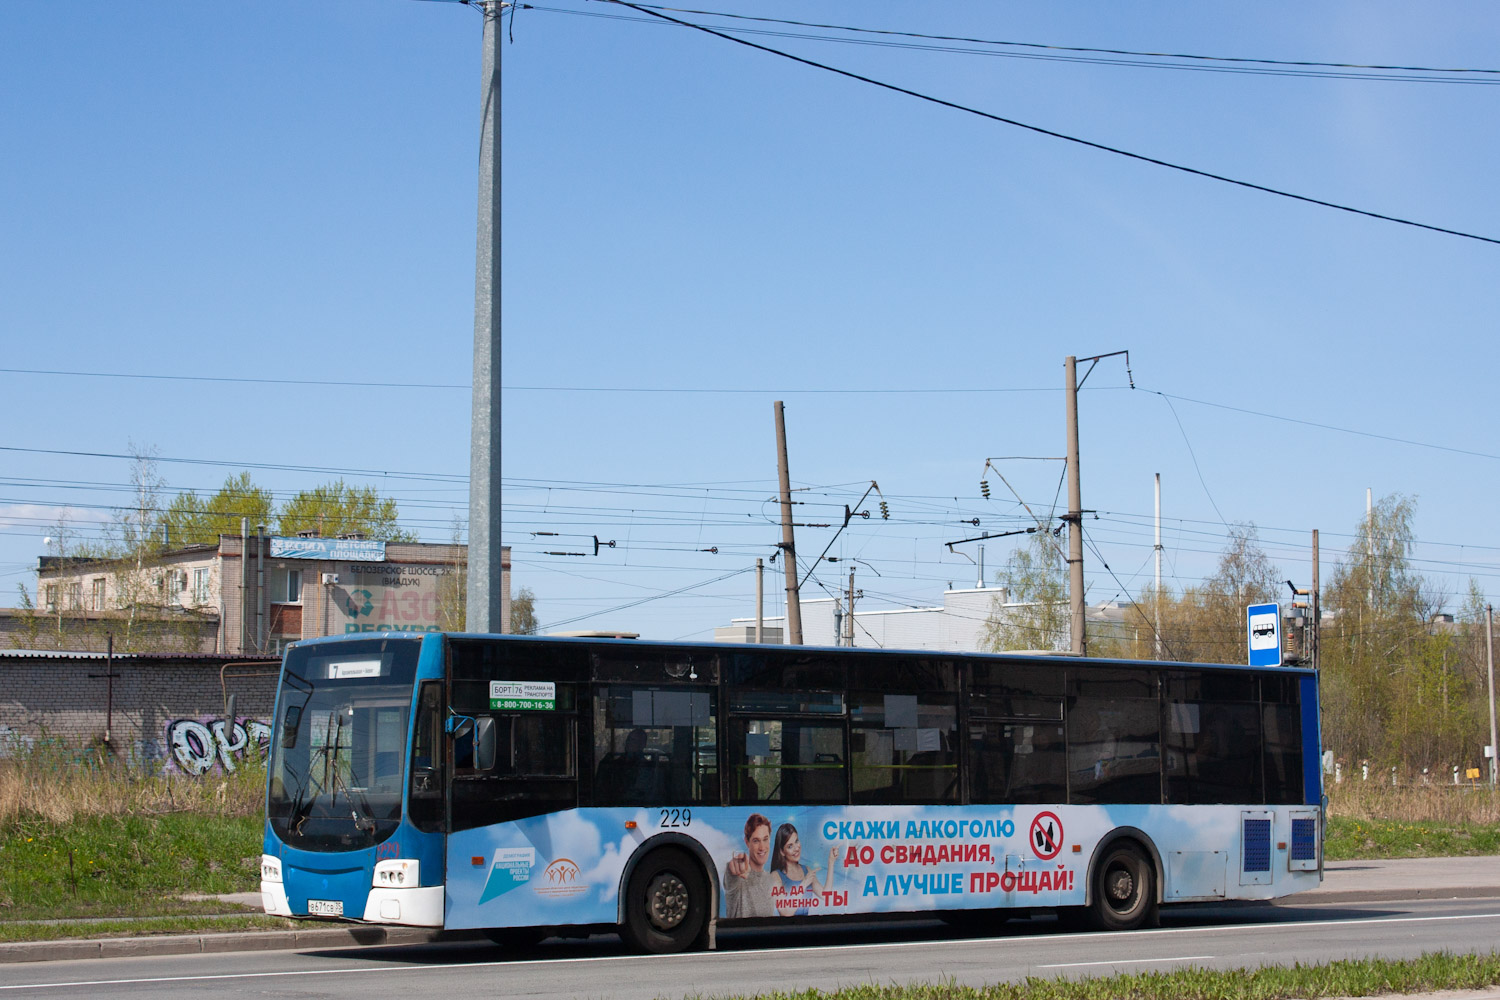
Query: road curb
[[1387, 895]]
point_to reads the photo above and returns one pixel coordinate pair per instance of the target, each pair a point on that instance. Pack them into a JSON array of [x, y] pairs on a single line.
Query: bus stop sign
[[1263, 628]]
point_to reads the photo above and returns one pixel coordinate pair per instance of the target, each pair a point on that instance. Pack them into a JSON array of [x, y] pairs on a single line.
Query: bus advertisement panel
[[568, 868]]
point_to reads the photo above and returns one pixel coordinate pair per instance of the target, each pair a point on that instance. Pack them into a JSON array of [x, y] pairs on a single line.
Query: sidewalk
[[1405, 878], [1344, 882]]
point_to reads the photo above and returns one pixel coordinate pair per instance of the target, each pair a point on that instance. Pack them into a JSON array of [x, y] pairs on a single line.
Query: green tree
[[1206, 624], [340, 509], [193, 520], [523, 613], [1397, 690], [453, 586], [1032, 579]]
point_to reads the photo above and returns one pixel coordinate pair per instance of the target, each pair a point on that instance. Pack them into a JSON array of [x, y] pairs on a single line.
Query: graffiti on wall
[[198, 746]]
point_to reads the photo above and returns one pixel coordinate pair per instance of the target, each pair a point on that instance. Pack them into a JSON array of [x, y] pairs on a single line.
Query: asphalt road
[[789, 958]]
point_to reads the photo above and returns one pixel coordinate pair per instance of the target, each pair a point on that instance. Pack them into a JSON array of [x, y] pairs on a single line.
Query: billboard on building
[[390, 597], [362, 550]]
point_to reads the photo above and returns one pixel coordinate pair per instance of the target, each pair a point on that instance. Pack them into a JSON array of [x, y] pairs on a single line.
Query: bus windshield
[[336, 766]]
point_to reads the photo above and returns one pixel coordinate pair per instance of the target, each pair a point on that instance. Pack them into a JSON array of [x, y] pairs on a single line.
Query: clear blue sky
[[693, 229]]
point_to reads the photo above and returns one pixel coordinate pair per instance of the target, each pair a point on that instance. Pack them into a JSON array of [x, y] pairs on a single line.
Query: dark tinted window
[[1020, 762], [787, 760], [769, 670], [650, 665], [903, 747], [535, 769], [1001, 690], [1212, 724], [902, 673], [1282, 753], [655, 746], [1114, 737]]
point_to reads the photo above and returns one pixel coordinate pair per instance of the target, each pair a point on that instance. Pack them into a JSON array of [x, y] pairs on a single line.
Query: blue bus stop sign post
[[1263, 628]]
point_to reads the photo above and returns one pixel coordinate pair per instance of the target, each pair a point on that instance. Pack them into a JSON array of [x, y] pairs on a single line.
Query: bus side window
[[1114, 737], [903, 747], [787, 760], [655, 746], [1213, 738]]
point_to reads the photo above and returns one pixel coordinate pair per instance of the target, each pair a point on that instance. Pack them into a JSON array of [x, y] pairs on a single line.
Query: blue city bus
[[531, 786]]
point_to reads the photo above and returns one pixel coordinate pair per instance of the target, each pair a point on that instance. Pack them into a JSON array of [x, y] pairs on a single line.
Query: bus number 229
[[676, 817]]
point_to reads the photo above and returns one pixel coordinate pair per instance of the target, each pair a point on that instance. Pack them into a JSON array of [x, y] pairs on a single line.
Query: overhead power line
[[321, 470], [1327, 427], [1290, 63], [1209, 175], [237, 380], [714, 390]]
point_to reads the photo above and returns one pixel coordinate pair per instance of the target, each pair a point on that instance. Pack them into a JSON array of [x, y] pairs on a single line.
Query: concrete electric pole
[[1079, 642], [1077, 608], [1157, 549], [1489, 650], [788, 545], [484, 593]]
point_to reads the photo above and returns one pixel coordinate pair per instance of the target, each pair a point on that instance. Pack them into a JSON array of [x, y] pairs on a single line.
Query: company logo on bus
[[560, 878], [1046, 835]]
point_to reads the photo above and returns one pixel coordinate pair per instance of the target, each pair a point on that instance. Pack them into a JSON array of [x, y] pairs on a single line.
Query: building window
[[96, 594], [49, 597], [75, 596], [200, 586], [285, 586]]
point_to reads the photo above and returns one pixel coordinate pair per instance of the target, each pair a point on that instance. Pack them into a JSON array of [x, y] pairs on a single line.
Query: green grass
[[13, 932], [1352, 978], [1350, 839], [115, 866]]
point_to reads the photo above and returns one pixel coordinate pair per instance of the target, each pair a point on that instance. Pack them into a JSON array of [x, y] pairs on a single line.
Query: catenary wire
[[1140, 157]]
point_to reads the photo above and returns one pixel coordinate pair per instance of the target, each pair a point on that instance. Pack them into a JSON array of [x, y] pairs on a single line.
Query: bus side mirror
[[484, 743], [289, 723]]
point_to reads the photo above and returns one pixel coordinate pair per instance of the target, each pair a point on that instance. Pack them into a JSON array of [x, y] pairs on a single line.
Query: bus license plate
[[325, 907]]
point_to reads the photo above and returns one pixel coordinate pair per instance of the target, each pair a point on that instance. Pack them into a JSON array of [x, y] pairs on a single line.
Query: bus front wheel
[[666, 903], [1124, 889]]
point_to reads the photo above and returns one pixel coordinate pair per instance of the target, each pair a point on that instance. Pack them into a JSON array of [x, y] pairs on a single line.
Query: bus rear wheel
[[666, 903], [1124, 889]]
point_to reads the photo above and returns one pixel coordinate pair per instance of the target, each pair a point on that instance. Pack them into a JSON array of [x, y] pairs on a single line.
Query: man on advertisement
[[747, 884]]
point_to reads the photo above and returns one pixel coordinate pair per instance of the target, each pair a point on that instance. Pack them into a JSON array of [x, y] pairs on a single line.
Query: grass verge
[[13, 932], [1350, 978], [1367, 820], [1363, 839], [113, 866]]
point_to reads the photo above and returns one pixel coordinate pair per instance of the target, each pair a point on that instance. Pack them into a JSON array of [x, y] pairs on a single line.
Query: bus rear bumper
[[412, 907]]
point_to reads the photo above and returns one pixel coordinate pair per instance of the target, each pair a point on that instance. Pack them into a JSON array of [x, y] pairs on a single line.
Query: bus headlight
[[270, 868], [399, 873]]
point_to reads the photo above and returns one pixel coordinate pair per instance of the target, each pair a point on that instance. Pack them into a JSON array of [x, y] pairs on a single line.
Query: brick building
[[247, 595]]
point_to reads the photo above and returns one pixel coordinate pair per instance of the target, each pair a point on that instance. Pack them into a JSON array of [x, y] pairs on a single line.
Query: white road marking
[[709, 955], [1129, 961]]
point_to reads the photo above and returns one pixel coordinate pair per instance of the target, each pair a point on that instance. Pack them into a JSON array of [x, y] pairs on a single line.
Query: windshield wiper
[[359, 810]]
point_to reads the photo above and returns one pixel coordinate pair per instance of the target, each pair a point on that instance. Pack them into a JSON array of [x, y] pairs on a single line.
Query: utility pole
[[483, 592], [1489, 649], [1157, 548], [849, 618], [1075, 516], [1369, 551], [760, 601], [788, 545]]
